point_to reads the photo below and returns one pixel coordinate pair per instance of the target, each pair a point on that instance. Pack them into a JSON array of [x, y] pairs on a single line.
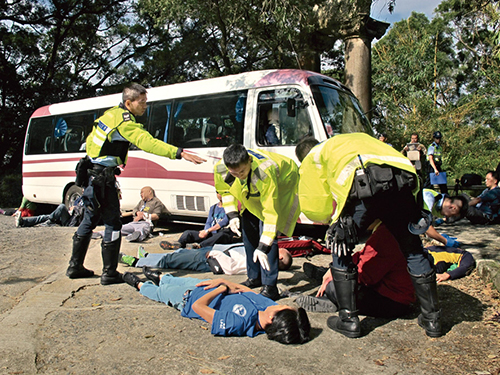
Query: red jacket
[[382, 266]]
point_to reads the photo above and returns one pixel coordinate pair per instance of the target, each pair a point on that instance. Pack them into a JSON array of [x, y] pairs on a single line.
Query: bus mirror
[[291, 107]]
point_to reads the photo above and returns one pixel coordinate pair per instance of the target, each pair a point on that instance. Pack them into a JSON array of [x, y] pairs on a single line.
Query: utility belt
[[102, 176], [374, 179]]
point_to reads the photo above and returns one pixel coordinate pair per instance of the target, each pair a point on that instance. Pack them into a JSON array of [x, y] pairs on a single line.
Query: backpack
[[470, 179]]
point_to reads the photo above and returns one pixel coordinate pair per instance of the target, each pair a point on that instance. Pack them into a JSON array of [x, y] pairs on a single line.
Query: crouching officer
[[266, 185], [364, 179], [107, 148]]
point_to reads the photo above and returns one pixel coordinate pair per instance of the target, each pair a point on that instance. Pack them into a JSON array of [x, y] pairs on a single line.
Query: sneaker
[[96, 235], [423, 224], [315, 304], [19, 220], [47, 223], [314, 272], [128, 259], [141, 253], [133, 236], [165, 245]]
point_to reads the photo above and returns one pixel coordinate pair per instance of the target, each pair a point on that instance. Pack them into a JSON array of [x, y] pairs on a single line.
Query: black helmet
[[437, 135]]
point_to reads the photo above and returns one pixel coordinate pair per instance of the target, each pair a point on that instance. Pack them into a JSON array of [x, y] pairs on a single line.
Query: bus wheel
[[73, 193]]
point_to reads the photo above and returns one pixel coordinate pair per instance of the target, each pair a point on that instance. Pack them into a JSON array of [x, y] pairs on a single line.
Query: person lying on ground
[[232, 309], [220, 259], [485, 208], [60, 216], [443, 206]]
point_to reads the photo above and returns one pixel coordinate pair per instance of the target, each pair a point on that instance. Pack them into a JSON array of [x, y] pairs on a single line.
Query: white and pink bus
[[269, 110]]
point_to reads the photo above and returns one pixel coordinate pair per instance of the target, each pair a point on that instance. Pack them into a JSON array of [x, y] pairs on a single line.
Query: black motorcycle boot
[[76, 270], [347, 323], [426, 291], [110, 252]]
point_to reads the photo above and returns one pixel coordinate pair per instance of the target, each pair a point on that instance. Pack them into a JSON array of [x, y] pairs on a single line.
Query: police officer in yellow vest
[[349, 181], [107, 148], [265, 184]]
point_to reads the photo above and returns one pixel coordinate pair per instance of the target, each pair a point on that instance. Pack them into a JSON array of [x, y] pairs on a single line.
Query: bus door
[[282, 118]]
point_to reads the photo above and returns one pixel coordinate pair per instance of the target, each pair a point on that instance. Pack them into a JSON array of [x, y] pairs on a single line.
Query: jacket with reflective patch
[[115, 130], [272, 196], [327, 172], [433, 201]]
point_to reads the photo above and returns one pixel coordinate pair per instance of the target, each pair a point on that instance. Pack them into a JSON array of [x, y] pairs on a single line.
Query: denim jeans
[[181, 259], [60, 216], [171, 291]]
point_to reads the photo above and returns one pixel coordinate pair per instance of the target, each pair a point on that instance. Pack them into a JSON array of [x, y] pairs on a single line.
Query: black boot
[[76, 270], [110, 252], [426, 291], [347, 322]]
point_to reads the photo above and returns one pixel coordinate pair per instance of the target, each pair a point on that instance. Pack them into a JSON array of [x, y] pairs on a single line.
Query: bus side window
[[70, 131], [39, 140], [208, 121], [276, 126], [160, 113]]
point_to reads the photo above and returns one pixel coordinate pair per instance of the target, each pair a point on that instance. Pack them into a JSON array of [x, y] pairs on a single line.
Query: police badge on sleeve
[[126, 116]]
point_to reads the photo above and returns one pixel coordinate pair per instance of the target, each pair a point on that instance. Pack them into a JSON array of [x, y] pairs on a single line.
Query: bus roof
[[242, 81]]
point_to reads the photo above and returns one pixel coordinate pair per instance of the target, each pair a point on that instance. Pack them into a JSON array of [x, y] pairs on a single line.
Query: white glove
[[234, 225], [261, 257]]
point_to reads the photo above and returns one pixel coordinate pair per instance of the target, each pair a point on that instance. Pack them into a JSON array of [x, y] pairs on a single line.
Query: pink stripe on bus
[[49, 161], [50, 174], [136, 168]]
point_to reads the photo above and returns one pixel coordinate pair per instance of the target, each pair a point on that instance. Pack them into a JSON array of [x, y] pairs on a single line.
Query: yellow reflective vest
[[112, 133], [327, 172], [431, 202], [272, 196]]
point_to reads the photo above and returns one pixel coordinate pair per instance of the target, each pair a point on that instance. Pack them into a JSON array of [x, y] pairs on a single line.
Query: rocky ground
[[50, 324]]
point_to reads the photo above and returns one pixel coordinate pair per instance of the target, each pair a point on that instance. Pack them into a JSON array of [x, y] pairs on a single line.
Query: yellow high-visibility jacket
[[327, 172], [115, 130], [432, 203], [272, 197]]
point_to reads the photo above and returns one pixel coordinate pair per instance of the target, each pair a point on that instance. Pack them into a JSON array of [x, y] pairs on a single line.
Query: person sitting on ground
[[214, 232], [385, 289], [26, 209], [442, 206], [61, 216], [226, 259], [146, 213], [384, 286], [485, 208], [232, 309]]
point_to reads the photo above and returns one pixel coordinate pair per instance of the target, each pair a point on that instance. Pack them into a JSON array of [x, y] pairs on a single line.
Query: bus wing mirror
[[291, 106]]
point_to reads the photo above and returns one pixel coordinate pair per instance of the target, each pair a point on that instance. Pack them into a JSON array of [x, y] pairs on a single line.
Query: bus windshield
[[340, 111]]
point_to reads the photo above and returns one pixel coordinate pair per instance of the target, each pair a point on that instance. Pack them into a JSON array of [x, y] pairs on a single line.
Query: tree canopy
[[442, 75]]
